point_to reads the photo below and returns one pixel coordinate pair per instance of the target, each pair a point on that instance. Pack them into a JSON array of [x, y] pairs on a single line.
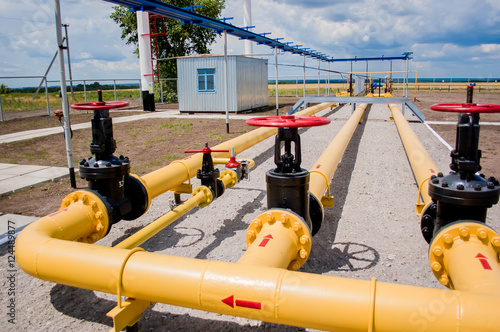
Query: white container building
[[200, 83]]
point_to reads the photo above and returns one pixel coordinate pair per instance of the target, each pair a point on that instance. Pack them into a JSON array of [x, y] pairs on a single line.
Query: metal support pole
[[328, 84], [114, 86], [69, 62], [161, 91], [319, 74], [85, 90], [296, 86], [1, 109], [64, 95], [47, 96], [304, 77], [140, 93], [276, 70], [226, 83], [45, 76]]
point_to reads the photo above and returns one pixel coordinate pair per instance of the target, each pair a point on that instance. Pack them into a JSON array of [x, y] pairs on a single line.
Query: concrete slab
[[13, 223], [23, 169], [5, 176], [4, 191], [20, 182], [51, 173], [6, 166]]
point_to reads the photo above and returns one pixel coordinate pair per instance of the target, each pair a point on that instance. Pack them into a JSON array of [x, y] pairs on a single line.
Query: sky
[[448, 38]]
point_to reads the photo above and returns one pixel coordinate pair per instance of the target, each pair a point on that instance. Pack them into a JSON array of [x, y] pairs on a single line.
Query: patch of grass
[[218, 137], [154, 140]]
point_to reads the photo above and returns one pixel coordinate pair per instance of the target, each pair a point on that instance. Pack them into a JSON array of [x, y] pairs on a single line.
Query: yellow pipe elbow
[[277, 238], [465, 256], [83, 217]]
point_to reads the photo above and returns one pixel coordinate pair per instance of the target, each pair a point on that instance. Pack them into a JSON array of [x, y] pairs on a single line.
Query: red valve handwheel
[[288, 121], [100, 105], [205, 150], [466, 108]]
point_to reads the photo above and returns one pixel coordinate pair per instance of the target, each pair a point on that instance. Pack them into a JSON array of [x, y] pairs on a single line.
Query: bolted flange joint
[[206, 192], [97, 209], [289, 220], [456, 234]]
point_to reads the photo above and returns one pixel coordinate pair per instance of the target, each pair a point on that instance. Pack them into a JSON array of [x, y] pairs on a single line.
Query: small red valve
[[466, 108], [288, 121], [232, 163]]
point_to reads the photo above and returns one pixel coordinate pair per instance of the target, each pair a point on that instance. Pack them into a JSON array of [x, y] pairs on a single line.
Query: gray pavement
[[163, 114], [14, 177]]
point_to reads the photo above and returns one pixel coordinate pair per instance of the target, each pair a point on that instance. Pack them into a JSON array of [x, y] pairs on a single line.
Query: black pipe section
[[288, 183], [464, 194]]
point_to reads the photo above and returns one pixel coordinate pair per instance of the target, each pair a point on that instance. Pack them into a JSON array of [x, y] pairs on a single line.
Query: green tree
[[181, 39], [4, 89]]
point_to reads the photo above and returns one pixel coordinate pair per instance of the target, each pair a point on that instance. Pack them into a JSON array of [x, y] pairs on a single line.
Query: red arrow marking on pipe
[[248, 304], [60, 211], [432, 171], [230, 301], [318, 166], [266, 240], [484, 261]]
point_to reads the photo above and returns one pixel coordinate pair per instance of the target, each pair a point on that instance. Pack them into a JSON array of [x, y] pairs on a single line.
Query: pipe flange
[[288, 219], [208, 195], [454, 234], [232, 175], [98, 212]]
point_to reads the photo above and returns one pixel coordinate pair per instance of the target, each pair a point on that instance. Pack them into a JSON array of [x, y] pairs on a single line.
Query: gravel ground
[[371, 232]]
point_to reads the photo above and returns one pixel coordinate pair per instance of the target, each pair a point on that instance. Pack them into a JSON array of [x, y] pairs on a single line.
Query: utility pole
[[69, 61], [64, 95]]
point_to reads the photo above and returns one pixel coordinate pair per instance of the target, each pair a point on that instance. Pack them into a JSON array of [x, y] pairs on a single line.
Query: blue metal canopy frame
[[220, 25]]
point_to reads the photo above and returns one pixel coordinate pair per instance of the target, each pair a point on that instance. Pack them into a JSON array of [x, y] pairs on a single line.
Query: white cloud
[[449, 37], [490, 48]]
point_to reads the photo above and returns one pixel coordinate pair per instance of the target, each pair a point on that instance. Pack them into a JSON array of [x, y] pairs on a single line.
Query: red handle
[[289, 121], [466, 108], [100, 105], [205, 150]]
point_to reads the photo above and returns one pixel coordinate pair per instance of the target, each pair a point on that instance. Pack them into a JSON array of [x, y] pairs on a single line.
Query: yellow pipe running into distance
[[173, 175], [421, 163], [324, 168]]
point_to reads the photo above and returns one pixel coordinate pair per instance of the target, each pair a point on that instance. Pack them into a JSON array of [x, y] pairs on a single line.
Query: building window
[[206, 80]]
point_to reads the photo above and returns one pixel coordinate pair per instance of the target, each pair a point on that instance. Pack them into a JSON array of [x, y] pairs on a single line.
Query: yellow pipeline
[[202, 196], [277, 238], [464, 256], [45, 250], [324, 168], [173, 175], [421, 163]]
